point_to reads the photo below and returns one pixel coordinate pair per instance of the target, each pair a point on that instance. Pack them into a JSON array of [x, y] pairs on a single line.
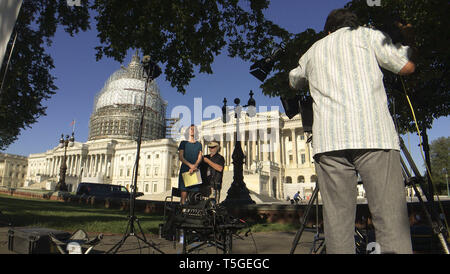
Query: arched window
[[313, 179], [300, 179], [288, 180]]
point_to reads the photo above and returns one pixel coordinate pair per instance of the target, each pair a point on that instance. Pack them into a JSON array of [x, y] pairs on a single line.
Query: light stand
[[238, 194], [152, 71], [64, 143]]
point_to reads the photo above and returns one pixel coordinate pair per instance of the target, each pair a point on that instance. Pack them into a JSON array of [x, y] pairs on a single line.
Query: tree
[[184, 34], [28, 80], [428, 87], [439, 152]]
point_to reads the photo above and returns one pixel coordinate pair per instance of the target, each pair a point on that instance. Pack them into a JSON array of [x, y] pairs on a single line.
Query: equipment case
[[34, 240]]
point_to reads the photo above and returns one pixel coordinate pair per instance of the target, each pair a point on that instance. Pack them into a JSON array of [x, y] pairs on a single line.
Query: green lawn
[[70, 217]]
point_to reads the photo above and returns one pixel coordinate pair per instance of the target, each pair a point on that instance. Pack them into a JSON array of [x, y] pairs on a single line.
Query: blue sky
[[80, 77]]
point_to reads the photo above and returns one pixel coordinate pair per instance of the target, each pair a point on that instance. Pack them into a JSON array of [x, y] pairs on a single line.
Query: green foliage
[[278, 84], [440, 156], [428, 87], [184, 34], [28, 80], [187, 35]]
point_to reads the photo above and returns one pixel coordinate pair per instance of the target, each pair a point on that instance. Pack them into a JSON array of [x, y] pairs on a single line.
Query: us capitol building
[[275, 167]]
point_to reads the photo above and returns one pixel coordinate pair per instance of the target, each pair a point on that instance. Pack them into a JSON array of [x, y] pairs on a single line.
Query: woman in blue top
[[190, 153]]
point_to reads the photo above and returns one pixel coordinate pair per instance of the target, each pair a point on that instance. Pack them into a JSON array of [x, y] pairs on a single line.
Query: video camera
[[261, 68], [292, 105]]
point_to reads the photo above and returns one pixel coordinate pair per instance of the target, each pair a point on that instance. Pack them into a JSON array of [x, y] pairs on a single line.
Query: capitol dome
[[118, 106]]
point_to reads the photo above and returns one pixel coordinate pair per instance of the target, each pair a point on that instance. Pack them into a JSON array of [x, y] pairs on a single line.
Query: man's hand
[[408, 39], [407, 33]]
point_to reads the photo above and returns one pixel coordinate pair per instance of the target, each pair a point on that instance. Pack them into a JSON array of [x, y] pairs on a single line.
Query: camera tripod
[[152, 71], [430, 212], [318, 245], [432, 218]]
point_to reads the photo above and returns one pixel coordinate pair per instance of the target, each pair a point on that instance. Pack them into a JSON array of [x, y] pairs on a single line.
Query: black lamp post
[[238, 193], [64, 143]]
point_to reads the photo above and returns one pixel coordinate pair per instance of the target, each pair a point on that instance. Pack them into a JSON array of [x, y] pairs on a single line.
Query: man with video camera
[[353, 131]]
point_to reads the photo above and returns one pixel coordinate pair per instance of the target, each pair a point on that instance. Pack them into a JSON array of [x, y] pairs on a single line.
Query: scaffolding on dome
[[118, 105], [172, 130]]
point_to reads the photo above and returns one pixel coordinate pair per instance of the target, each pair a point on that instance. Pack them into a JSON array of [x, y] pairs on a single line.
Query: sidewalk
[[261, 243]]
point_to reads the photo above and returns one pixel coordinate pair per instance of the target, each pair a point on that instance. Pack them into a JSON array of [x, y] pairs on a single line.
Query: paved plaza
[[254, 243]]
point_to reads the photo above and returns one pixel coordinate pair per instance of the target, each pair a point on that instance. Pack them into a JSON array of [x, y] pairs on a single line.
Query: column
[[253, 153], [108, 166], [294, 147], [47, 166], [248, 150], [308, 153], [96, 162], [232, 143], [78, 168], [105, 164], [281, 153], [58, 165], [265, 146], [74, 160], [53, 166], [72, 164], [91, 166], [52, 171], [258, 146], [277, 148]]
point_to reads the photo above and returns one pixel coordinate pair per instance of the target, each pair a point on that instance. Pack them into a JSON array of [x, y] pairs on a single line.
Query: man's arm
[[297, 76], [407, 69], [395, 58], [213, 165], [408, 35], [199, 159]]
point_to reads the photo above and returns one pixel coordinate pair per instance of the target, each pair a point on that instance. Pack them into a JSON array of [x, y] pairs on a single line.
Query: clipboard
[[192, 179]]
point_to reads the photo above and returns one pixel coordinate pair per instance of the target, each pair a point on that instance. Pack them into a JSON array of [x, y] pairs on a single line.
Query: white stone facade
[[13, 169], [109, 161], [278, 159]]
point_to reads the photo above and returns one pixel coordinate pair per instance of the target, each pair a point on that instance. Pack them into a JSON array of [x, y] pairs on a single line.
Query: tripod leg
[[116, 247], [145, 239], [436, 226], [228, 242], [304, 219]]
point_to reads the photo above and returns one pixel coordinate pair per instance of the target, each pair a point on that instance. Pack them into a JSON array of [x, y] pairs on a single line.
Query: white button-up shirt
[[346, 84]]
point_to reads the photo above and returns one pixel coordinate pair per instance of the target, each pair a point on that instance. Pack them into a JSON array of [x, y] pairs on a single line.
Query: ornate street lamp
[[64, 143], [238, 193]]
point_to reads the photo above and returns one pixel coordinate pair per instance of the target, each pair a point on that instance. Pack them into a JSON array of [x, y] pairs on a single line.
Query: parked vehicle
[[104, 190]]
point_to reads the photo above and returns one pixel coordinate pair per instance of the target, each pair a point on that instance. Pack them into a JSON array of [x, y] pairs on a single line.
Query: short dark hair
[[340, 18], [187, 132]]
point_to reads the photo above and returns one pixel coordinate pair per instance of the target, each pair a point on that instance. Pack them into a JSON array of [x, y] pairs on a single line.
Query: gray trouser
[[380, 171]]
